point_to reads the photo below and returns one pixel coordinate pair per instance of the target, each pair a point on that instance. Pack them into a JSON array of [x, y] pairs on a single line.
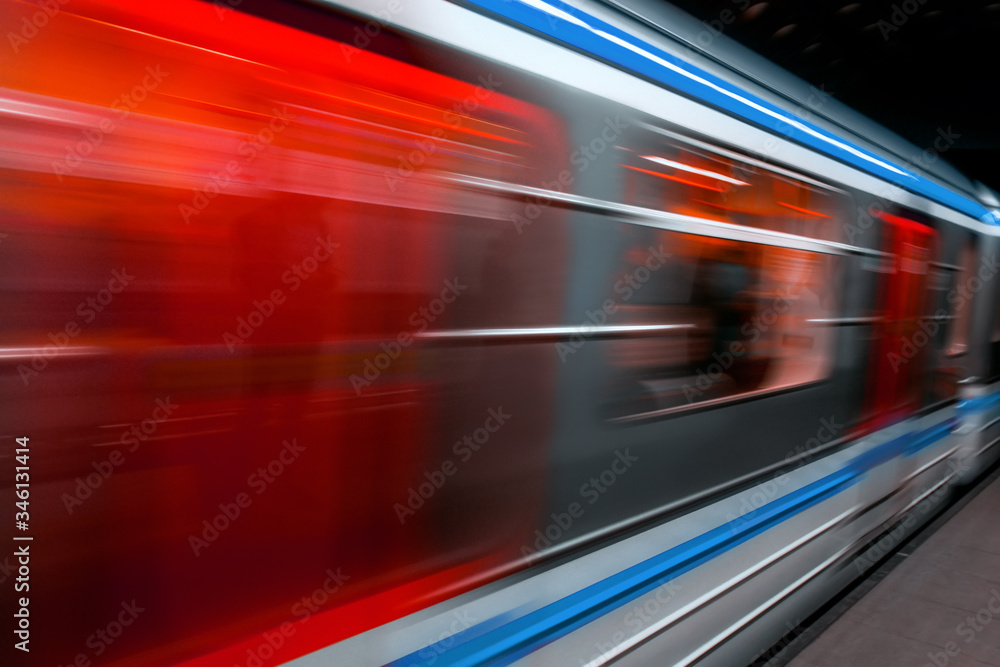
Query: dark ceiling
[[914, 66]]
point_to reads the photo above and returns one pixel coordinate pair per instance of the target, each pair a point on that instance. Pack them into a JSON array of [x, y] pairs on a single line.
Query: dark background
[[913, 67]]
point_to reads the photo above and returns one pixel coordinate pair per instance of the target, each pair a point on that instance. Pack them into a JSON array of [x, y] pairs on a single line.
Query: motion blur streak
[[278, 199], [350, 333]]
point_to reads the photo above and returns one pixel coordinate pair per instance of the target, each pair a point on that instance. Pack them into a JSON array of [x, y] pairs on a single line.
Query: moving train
[[462, 333]]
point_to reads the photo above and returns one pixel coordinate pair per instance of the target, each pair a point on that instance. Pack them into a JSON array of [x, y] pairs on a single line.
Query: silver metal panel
[[444, 22]]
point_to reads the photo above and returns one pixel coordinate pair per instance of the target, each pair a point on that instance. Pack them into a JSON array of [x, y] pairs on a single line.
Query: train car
[[462, 333]]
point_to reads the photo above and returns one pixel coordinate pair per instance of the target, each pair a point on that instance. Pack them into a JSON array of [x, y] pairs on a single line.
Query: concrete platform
[[940, 606]]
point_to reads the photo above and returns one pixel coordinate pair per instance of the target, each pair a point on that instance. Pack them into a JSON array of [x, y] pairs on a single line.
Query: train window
[[260, 142], [676, 174], [753, 318], [961, 308], [749, 317]]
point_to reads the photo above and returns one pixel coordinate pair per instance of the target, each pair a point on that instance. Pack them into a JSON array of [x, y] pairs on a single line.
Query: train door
[[897, 369]]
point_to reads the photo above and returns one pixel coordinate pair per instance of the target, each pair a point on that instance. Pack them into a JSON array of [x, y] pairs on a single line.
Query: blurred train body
[[423, 333]]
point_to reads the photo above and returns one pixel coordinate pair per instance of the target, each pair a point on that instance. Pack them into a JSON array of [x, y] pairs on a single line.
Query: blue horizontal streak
[[511, 641], [979, 404], [928, 437], [599, 38]]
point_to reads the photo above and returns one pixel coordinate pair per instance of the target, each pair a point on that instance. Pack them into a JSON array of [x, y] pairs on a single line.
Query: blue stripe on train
[[592, 35], [509, 642], [979, 404]]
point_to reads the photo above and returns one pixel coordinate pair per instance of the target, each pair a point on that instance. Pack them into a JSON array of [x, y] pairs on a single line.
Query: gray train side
[[648, 455]]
